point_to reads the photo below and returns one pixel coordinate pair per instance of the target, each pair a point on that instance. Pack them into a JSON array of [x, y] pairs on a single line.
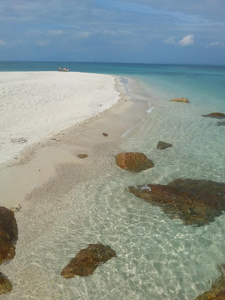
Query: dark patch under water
[[195, 202], [87, 260]]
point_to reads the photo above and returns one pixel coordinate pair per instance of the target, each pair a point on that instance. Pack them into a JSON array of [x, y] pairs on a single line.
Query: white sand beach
[[35, 105]]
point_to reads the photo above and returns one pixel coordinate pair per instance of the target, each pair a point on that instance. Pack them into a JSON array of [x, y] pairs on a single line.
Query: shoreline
[[44, 180], [37, 163]]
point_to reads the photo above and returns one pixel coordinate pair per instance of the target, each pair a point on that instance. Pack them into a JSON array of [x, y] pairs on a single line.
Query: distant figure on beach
[[63, 70]]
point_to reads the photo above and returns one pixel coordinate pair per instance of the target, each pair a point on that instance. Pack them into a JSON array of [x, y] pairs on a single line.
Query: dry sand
[[35, 105]]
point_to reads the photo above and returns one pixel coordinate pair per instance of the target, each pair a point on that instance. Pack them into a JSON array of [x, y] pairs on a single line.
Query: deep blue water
[[206, 82], [113, 68]]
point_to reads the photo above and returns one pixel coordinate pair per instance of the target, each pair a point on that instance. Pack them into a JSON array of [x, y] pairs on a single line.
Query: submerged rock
[[216, 115], [7, 250], [8, 234], [195, 202], [8, 238], [82, 155], [163, 145], [181, 99], [87, 260], [5, 284], [105, 134], [220, 123], [217, 291], [133, 161]]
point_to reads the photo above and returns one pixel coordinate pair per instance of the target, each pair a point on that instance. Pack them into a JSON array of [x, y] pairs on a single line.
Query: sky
[[139, 31]]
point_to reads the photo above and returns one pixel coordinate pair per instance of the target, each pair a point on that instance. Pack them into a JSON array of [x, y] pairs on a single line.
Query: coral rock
[[220, 123], [181, 99], [8, 234], [133, 161], [87, 260], [5, 284], [195, 202], [216, 115], [217, 291], [163, 145], [82, 155]]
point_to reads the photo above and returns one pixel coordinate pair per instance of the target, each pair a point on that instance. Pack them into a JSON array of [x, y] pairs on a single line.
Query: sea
[[158, 258]]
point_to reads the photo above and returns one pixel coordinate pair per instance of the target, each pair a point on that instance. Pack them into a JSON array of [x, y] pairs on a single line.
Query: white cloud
[[85, 34], [187, 41], [170, 41], [217, 44], [55, 32], [42, 43], [2, 42]]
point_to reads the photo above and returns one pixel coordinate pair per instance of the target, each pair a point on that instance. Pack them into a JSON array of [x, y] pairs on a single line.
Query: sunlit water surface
[[157, 257]]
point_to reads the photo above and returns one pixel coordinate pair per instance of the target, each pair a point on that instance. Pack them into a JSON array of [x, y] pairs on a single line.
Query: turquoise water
[[157, 258]]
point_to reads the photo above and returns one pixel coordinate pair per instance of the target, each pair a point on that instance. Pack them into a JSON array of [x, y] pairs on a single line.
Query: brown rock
[[163, 145], [195, 202], [105, 134], [82, 155], [87, 260], [8, 234], [5, 284], [7, 250], [216, 115], [217, 291], [181, 99], [133, 161]]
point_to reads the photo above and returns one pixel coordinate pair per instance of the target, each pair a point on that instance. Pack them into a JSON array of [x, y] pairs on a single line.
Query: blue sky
[[145, 31]]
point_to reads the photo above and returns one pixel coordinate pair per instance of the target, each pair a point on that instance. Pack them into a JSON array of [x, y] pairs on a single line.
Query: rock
[[220, 123], [8, 234], [87, 260], [217, 291], [82, 155], [5, 284], [182, 99], [216, 115], [7, 250], [105, 134], [163, 145], [195, 202], [133, 161]]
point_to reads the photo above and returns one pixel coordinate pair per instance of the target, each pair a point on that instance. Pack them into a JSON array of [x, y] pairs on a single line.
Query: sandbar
[[49, 118], [35, 105]]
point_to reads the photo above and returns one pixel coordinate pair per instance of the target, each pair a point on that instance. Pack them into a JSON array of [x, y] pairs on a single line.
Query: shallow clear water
[[157, 258]]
